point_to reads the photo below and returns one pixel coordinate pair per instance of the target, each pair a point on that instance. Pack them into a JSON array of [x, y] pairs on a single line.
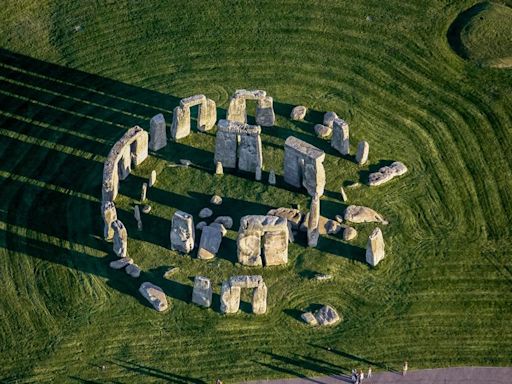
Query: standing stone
[[157, 133], [375, 247], [314, 219], [275, 246], [329, 118], [124, 165], [109, 214], [340, 137], [257, 174], [120, 239], [202, 292], [344, 197], [136, 214], [182, 232], [180, 127], [265, 115], [363, 148], [211, 237], [207, 115], [259, 299], [298, 113], [272, 177], [152, 178], [155, 295], [143, 192], [229, 298], [218, 168]]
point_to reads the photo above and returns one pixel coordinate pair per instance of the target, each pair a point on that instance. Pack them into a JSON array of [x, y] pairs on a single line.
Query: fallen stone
[[211, 238], [329, 118], [221, 228], [219, 170], [272, 177], [375, 247], [152, 178], [226, 221], [322, 131], [355, 185], [146, 208], [385, 174], [359, 214], [201, 225], [294, 216], [246, 281], [309, 318], [298, 112], [155, 295], [121, 263], [349, 233], [332, 227], [205, 213], [170, 272], [202, 292], [326, 316], [339, 218], [323, 277], [109, 214], [216, 200], [133, 270], [344, 197], [363, 148]]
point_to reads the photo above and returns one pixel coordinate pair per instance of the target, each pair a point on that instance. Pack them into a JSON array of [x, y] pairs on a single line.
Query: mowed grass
[[74, 76]]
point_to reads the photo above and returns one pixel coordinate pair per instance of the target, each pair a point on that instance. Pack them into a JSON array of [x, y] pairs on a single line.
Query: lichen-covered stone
[[201, 225], [229, 298], [387, 173], [375, 248], [265, 115], [360, 214], [211, 238], [246, 281], [313, 221], [332, 227], [363, 149], [340, 136], [202, 292], [143, 192], [109, 214], [155, 295], [120, 239], [259, 299], [182, 232]]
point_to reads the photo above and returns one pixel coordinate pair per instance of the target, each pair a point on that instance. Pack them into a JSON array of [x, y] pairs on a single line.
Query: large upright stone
[[120, 239], [229, 298], [182, 232], [211, 238], [109, 214], [152, 178], [157, 132], [180, 127], [314, 219], [237, 110], [202, 292], [340, 136], [329, 118], [259, 299], [363, 148], [375, 247], [143, 192], [250, 152], [275, 247], [387, 173], [155, 295], [207, 115], [265, 112], [125, 163]]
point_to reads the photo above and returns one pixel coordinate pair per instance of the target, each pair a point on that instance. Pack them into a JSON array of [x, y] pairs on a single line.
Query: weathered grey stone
[[257, 174], [143, 192], [314, 218], [344, 197], [387, 173], [272, 177], [121, 263], [246, 281], [327, 315], [275, 232], [219, 169], [229, 298], [216, 200], [205, 213], [237, 110], [226, 221], [250, 153], [155, 295], [180, 127], [303, 165], [298, 112], [375, 247], [130, 149], [322, 131], [133, 270], [192, 101], [211, 238], [291, 233], [201, 225], [157, 133], [294, 216], [363, 148], [259, 299], [120, 239], [109, 214], [202, 292], [339, 218], [265, 115], [332, 227], [329, 118], [207, 115], [136, 213], [182, 232], [349, 233], [359, 214], [309, 318], [221, 228], [340, 137], [152, 178]]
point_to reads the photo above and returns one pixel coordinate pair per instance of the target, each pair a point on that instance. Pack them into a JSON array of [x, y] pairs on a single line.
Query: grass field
[[75, 75]]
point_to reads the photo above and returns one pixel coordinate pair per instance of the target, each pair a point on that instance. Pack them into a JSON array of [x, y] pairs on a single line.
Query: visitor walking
[[369, 375], [405, 368], [218, 381], [361, 376], [353, 377]]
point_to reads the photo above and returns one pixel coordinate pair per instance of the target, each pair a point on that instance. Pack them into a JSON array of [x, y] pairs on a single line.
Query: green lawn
[[75, 75]]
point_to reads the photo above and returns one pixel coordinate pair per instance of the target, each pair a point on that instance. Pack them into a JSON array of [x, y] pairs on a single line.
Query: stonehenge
[[237, 110], [182, 232], [202, 292], [375, 247], [340, 136], [211, 237], [130, 150], [206, 117], [387, 173], [235, 139], [109, 214], [230, 294], [303, 165], [120, 245], [157, 133], [363, 148], [155, 295], [274, 231], [359, 214]]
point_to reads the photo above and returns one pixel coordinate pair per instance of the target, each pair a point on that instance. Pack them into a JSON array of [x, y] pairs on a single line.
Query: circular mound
[[483, 34]]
